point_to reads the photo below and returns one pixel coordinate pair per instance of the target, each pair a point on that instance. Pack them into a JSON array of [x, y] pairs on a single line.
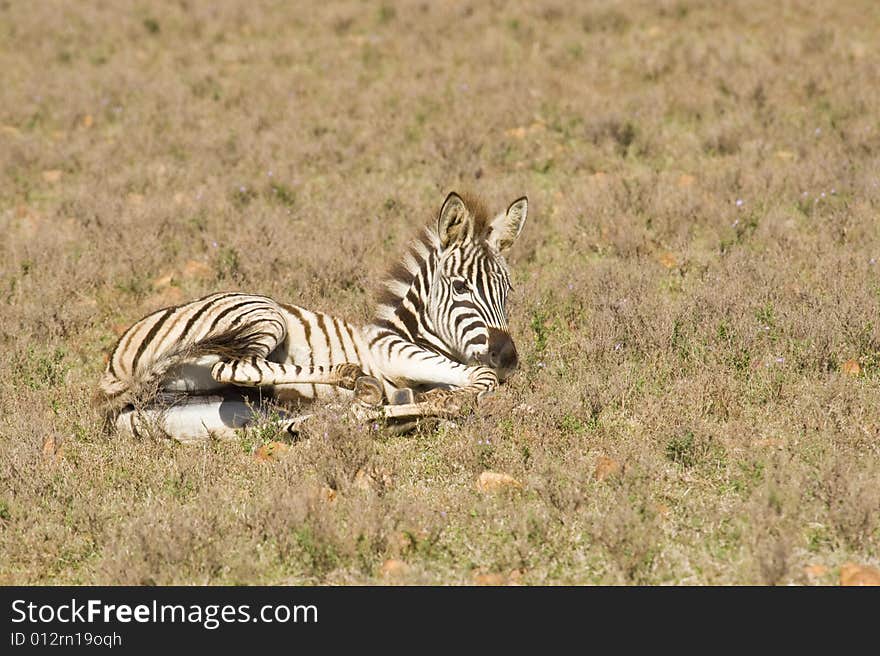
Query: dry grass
[[700, 262]]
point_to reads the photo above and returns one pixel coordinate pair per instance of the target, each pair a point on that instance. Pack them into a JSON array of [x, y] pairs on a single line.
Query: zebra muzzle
[[501, 355]]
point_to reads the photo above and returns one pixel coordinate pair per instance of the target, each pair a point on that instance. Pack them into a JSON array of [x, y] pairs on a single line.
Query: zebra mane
[[397, 283], [400, 278]]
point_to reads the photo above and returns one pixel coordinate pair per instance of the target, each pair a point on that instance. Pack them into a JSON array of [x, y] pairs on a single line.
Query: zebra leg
[[444, 403], [197, 419], [406, 411], [368, 390], [436, 403], [294, 425], [259, 371], [403, 396]]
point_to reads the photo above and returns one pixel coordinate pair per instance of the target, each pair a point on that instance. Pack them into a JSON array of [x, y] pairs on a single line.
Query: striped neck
[[402, 300]]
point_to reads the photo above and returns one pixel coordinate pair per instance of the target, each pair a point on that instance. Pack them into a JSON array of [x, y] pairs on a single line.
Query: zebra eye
[[459, 286]]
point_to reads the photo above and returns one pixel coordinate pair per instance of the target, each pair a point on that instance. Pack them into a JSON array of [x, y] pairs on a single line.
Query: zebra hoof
[[368, 390], [348, 375], [403, 396]]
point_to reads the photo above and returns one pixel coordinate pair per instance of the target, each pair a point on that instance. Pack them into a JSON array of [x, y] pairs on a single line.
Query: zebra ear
[[455, 223], [506, 228]]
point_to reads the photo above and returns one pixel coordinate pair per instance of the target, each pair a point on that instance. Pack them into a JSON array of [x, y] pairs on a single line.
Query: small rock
[[490, 481], [858, 50], [606, 468], [164, 280], [166, 297], [52, 449], [852, 574], [522, 131], [490, 579], [851, 368], [373, 478], [393, 568], [52, 176], [197, 269], [668, 260], [271, 451], [815, 570]]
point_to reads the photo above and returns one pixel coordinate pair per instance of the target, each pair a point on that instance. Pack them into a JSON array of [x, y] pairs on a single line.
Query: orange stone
[[164, 298], [196, 269], [52, 448], [393, 568], [271, 451], [490, 481], [668, 260], [490, 579], [49, 447], [852, 574], [815, 570], [606, 468], [164, 280]]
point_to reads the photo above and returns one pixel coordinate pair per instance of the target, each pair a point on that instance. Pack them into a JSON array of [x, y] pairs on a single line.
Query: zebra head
[[471, 281]]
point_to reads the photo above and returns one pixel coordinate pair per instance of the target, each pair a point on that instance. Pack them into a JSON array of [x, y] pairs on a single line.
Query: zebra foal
[[439, 339]]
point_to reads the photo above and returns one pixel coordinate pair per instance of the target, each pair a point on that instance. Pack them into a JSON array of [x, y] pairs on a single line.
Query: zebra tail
[[115, 393]]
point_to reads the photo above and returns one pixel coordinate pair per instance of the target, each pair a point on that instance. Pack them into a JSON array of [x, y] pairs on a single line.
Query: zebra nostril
[[502, 352]]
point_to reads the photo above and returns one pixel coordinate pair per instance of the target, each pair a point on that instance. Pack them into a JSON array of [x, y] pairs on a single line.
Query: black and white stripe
[[440, 324]]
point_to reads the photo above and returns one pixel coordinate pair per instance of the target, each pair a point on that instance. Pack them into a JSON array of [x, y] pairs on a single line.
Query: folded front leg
[[258, 371]]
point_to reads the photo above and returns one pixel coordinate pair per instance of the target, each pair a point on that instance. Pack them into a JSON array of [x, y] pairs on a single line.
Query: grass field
[[696, 289]]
